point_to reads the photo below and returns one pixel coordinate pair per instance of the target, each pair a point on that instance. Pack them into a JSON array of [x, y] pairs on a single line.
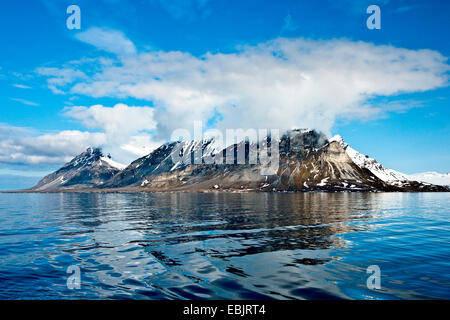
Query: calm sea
[[225, 246]]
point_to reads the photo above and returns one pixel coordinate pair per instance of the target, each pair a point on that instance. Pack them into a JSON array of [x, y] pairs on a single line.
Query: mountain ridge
[[88, 169], [308, 161], [431, 177]]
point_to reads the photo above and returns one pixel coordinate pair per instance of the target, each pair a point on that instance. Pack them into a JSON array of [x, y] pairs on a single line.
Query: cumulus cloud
[[127, 128], [24, 146], [123, 131], [108, 40], [282, 83], [116, 121]]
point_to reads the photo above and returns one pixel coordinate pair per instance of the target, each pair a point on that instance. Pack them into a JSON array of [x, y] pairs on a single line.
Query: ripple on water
[[224, 246]]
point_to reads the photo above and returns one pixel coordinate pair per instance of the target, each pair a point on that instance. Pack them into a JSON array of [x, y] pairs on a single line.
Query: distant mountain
[[442, 179], [308, 161], [87, 170]]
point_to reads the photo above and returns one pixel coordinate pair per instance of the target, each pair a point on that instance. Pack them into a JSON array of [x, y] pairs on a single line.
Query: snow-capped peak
[[363, 161], [338, 139]]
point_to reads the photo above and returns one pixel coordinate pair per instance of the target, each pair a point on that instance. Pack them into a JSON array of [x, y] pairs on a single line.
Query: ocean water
[[224, 245]]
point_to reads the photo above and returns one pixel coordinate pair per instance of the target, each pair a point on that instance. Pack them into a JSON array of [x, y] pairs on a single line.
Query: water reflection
[[209, 245]]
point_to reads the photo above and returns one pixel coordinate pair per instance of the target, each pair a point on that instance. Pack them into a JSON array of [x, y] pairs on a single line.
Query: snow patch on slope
[[113, 163]]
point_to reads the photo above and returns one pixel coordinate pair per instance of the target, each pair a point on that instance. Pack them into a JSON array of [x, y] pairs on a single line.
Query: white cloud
[[140, 145], [124, 132], [116, 121], [20, 146], [108, 40], [57, 78], [20, 86], [282, 83], [23, 101], [127, 128]]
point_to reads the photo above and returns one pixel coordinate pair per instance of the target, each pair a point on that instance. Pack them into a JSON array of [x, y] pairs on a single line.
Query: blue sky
[[50, 76]]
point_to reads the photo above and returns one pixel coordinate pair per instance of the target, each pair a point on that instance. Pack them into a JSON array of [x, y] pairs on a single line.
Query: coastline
[[193, 190]]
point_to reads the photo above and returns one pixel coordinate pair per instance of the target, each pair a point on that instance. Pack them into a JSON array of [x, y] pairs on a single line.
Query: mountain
[[158, 162], [87, 170], [442, 179], [363, 161], [308, 161]]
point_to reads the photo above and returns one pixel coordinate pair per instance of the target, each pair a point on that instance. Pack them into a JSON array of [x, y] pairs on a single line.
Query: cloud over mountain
[[127, 129], [24, 146], [282, 83], [120, 120], [124, 132]]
